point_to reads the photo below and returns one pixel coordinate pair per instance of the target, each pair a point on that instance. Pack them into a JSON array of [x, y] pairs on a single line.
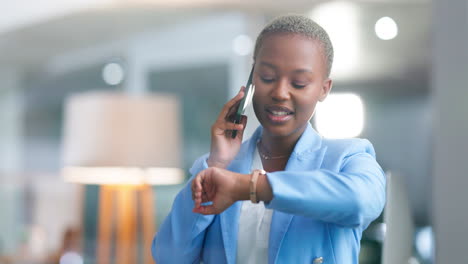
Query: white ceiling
[[407, 55], [40, 41]]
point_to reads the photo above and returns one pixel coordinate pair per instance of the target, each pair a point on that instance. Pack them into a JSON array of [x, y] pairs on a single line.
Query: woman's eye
[[299, 85], [267, 80]]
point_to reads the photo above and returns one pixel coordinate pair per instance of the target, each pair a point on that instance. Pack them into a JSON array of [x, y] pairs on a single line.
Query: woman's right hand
[[223, 147]]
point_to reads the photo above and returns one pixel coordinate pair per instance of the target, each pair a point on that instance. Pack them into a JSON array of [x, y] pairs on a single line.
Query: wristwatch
[[253, 184]]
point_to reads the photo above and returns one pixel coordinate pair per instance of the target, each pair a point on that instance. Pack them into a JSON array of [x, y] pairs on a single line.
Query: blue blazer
[[328, 194]]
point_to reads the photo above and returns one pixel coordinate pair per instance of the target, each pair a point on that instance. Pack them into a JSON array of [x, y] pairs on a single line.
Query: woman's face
[[290, 77]]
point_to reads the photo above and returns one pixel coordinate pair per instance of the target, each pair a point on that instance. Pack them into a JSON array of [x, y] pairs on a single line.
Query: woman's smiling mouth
[[278, 114]]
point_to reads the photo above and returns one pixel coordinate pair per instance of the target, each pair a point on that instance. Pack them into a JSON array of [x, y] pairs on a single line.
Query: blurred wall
[[450, 165], [399, 123], [52, 205], [11, 178]]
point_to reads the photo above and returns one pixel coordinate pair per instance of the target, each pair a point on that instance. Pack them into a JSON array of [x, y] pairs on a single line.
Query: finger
[[205, 198], [198, 195], [244, 125], [206, 210], [229, 106], [196, 199], [224, 126], [192, 188], [231, 114], [240, 132], [244, 120], [198, 189]]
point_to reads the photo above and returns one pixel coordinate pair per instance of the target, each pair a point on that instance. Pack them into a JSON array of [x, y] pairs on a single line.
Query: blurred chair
[[125, 144], [399, 234]]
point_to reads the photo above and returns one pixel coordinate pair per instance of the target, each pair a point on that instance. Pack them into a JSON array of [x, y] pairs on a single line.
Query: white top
[[254, 228]]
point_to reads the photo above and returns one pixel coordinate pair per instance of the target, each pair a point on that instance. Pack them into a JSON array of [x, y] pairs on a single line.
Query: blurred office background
[[406, 60]]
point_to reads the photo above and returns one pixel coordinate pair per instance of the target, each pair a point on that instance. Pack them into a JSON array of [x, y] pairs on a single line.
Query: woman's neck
[[279, 146]]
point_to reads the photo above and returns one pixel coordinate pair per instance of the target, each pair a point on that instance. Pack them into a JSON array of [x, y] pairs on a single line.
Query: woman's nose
[[280, 91]]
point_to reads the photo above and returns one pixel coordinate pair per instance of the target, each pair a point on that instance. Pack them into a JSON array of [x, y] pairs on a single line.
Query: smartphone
[[248, 94]]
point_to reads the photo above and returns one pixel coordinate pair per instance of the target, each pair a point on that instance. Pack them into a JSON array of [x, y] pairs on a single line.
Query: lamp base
[[126, 220]]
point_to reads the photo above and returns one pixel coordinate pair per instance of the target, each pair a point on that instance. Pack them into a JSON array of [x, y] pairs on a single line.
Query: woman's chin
[[277, 130], [282, 130]]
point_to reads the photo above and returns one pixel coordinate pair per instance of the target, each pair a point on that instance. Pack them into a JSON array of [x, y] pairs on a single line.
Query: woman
[[317, 195]]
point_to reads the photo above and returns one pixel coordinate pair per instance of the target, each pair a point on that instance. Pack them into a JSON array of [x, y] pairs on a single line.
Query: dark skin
[[290, 77]]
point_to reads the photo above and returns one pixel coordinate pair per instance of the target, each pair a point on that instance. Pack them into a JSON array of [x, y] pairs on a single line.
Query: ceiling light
[[113, 73], [386, 28], [242, 45]]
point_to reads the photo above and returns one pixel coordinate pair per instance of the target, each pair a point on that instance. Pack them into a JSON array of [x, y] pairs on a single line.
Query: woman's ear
[[326, 87]]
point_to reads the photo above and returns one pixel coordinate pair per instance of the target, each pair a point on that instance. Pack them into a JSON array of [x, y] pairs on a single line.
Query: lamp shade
[[120, 135]]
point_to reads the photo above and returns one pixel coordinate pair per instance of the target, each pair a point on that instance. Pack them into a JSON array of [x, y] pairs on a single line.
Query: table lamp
[[125, 144]]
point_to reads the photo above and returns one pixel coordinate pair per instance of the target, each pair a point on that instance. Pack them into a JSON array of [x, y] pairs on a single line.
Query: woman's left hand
[[219, 186]]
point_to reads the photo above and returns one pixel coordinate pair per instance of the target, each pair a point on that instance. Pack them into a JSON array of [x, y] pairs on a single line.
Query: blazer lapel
[[307, 155], [279, 225]]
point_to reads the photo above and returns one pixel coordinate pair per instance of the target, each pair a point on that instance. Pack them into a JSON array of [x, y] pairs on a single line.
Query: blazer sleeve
[[352, 196], [180, 237]]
